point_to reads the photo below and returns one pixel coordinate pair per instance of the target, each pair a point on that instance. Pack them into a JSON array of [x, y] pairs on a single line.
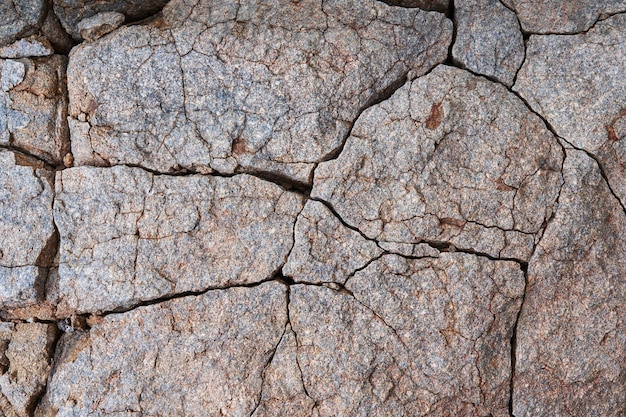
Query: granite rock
[[19, 18], [450, 158], [98, 25], [576, 82], [33, 107], [434, 5], [128, 235], [488, 39], [27, 48], [266, 86]]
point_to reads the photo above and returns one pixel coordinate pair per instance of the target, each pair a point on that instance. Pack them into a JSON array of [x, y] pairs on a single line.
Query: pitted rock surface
[[19, 18]]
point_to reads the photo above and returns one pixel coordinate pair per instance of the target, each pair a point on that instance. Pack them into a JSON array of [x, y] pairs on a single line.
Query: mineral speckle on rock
[[19, 18], [96, 26], [25, 48]]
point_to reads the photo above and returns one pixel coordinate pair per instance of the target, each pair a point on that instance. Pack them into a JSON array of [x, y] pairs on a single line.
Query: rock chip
[[128, 236], [263, 86], [27, 234], [577, 83], [185, 357], [417, 337], [488, 39], [19, 18], [96, 26], [25, 357], [557, 16], [28, 47], [450, 158], [33, 107], [571, 347]]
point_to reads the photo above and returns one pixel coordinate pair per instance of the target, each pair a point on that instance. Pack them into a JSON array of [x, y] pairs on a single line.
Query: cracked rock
[[25, 48], [33, 107], [452, 158], [19, 18], [266, 85], [96, 26], [571, 333], [577, 83], [25, 353], [488, 39], [128, 235], [27, 232], [219, 345], [417, 337]]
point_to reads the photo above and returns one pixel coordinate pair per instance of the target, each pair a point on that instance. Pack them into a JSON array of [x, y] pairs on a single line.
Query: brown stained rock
[[19, 18], [571, 335], [266, 85], [576, 82], [25, 360], [435, 5], [33, 107], [26, 231], [128, 235], [194, 356], [417, 337], [98, 25], [450, 157]]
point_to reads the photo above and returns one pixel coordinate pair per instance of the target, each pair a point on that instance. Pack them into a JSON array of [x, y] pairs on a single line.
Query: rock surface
[[268, 86], [488, 39], [19, 18], [27, 48], [96, 26]]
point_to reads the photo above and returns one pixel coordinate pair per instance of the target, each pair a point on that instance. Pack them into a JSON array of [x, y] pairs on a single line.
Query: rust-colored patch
[[502, 186], [238, 146], [610, 130], [436, 114], [449, 221], [160, 23]]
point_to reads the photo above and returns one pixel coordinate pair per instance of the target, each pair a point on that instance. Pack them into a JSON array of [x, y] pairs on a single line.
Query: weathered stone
[[56, 35], [488, 39], [577, 83], [417, 337], [193, 356], [435, 5], [325, 250], [128, 235], [72, 12], [450, 157], [27, 232], [25, 356], [557, 16], [571, 338], [33, 107], [19, 18], [25, 48], [96, 26], [262, 86]]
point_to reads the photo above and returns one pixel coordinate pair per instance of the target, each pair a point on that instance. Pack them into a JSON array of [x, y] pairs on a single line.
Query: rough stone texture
[[19, 18], [418, 337], [218, 344], [488, 39], [128, 235], [557, 16], [449, 157], [25, 353], [268, 85], [96, 26], [26, 230], [72, 12], [25, 48], [33, 107], [571, 339], [436, 5], [577, 84]]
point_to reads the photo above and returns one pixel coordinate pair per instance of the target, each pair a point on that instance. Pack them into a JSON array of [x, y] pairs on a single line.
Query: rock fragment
[[185, 357], [19, 18], [577, 83], [435, 5], [25, 360], [450, 158], [27, 48], [570, 338], [128, 235], [27, 234], [264, 86], [488, 39], [33, 107], [96, 26]]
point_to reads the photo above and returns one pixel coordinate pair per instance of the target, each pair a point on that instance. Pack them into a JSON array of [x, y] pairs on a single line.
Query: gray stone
[[450, 158], [33, 107], [417, 337], [72, 12], [571, 347], [194, 356], [27, 234], [435, 5], [96, 26], [25, 48], [25, 362], [128, 236], [488, 39], [558, 16], [19, 18], [325, 250], [265, 86], [577, 83]]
